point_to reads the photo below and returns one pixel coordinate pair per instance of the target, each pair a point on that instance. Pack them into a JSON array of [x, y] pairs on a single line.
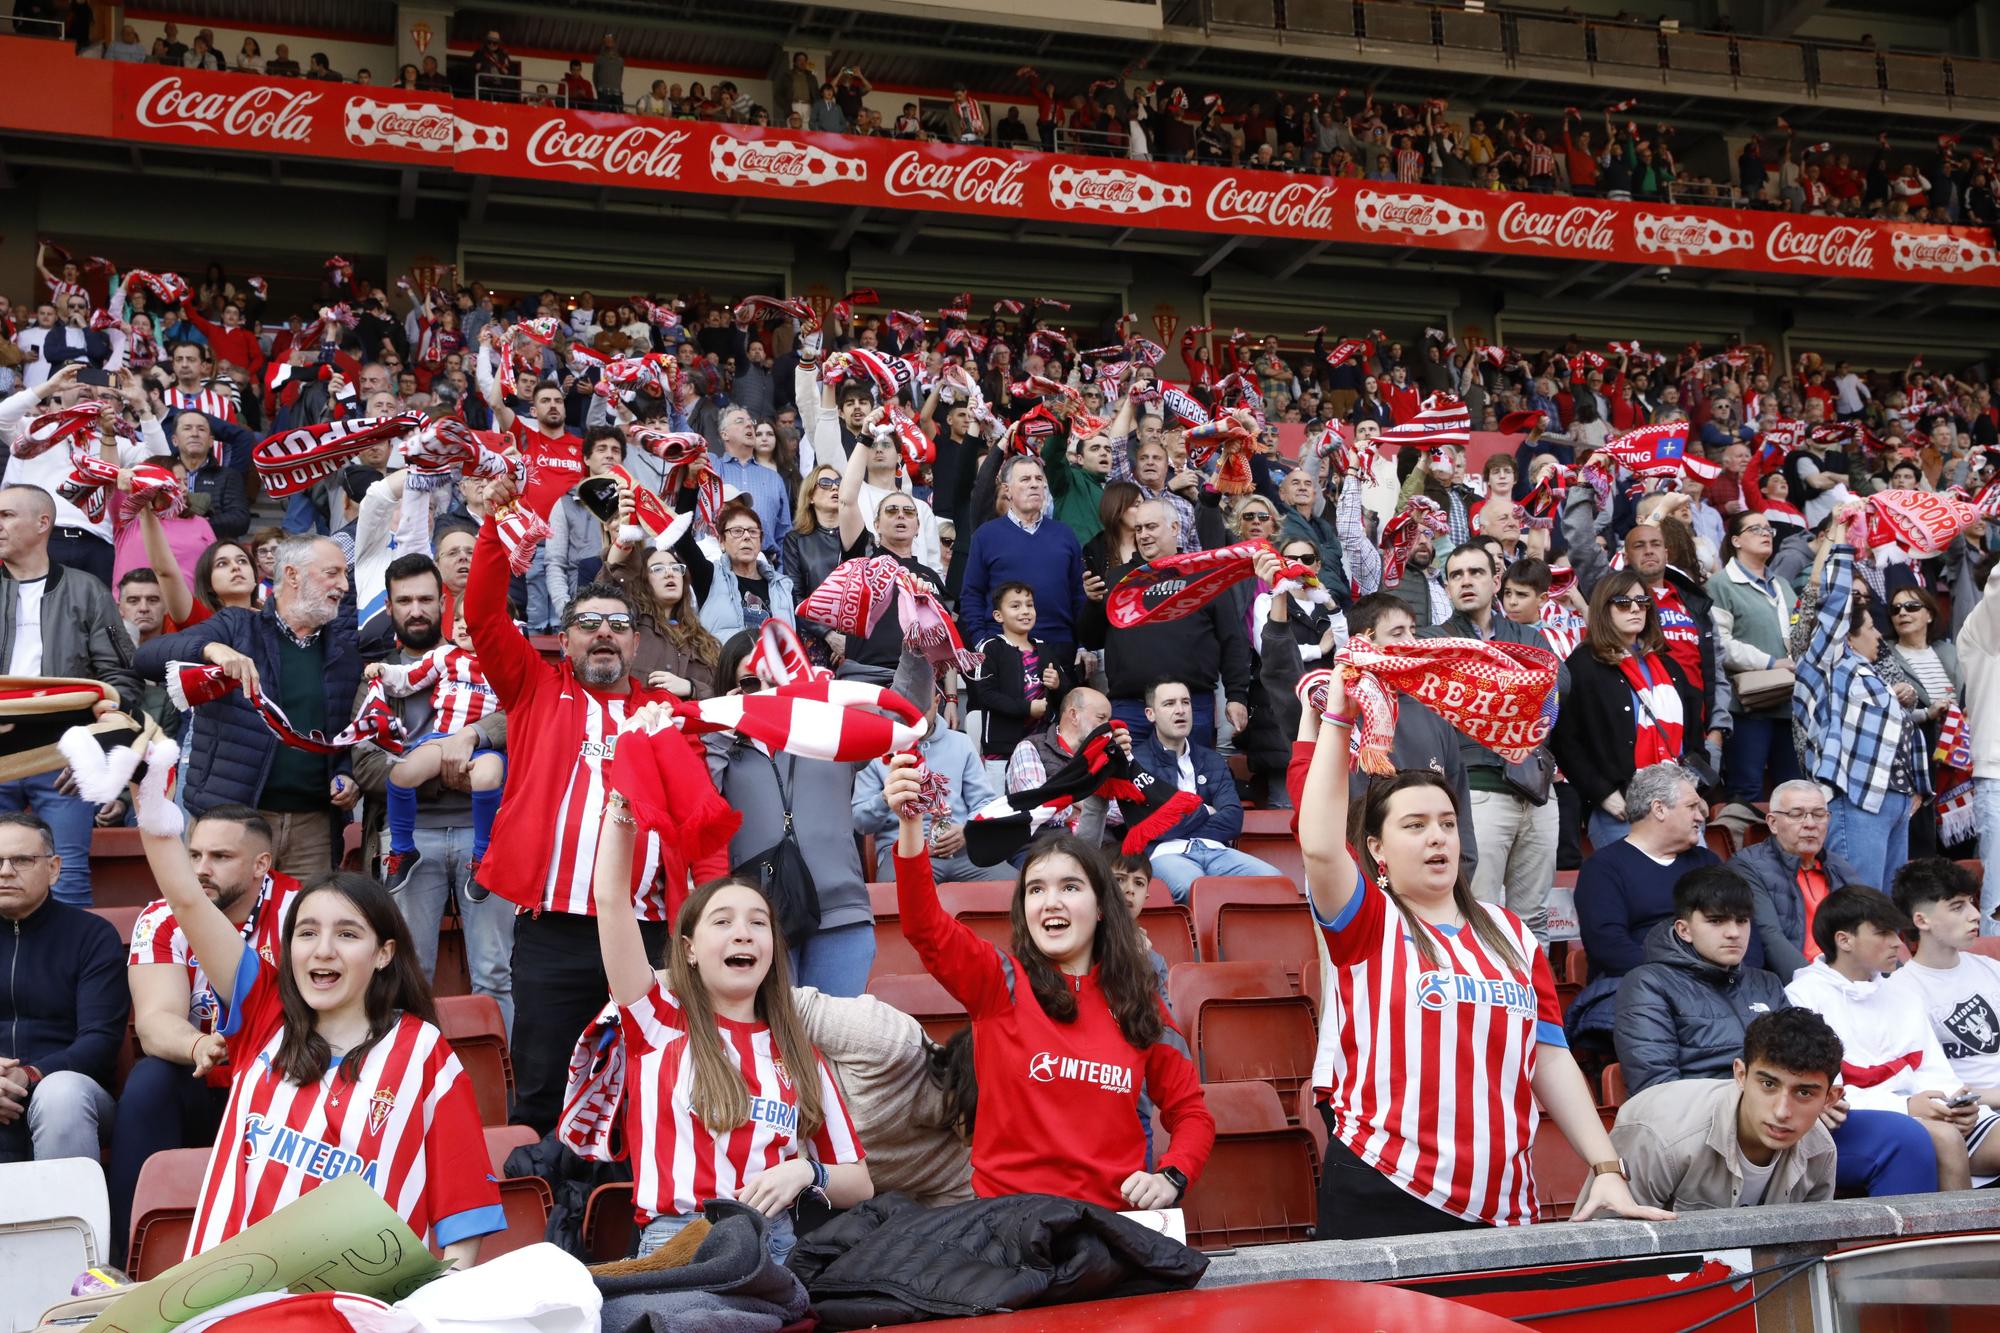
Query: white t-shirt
[[1963, 1005], [1756, 1179], [27, 656], [1819, 504]]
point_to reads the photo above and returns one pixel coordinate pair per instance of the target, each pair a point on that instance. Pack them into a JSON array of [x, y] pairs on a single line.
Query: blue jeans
[[1986, 809], [836, 962], [69, 818], [1132, 712], [1884, 1152], [1875, 845], [1181, 870], [440, 876], [778, 1235], [1758, 756], [541, 615], [1604, 830]]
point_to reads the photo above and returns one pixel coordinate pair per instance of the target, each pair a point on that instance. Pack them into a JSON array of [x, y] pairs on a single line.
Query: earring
[[1382, 880]]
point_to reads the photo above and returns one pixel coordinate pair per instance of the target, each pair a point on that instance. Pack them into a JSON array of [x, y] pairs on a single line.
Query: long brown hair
[[1124, 973], [1606, 644], [805, 519], [680, 624], [397, 987], [1368, 818], [719, 1095]]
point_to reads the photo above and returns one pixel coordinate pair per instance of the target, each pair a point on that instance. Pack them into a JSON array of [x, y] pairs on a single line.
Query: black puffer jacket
[[1682, 1016], [892, 1261]]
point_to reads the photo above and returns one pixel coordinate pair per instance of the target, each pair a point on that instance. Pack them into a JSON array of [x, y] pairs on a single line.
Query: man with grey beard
[[563, 720], [301, 652]]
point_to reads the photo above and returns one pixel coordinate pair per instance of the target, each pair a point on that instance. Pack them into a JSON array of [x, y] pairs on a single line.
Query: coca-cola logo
[[1106, 189], [1298, 206], [988, 180], [1578, 227], [1944, 252], [778, 162], [637, 150], [260, 111], [1414, 214], [1840, 246]]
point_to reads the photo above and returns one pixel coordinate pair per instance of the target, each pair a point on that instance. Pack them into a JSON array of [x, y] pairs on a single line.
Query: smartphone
[[95, 376], [1963, 1100]]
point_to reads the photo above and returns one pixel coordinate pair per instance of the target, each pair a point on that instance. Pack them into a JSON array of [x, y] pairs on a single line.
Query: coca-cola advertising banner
[[289, 116]]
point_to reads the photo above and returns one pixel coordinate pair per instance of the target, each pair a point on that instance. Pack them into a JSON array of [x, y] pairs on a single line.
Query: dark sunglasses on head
[[1629, 603], [592, 621]]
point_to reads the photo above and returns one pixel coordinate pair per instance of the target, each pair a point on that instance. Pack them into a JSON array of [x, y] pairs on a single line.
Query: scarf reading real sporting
[[1176, 586], [1501, 695]]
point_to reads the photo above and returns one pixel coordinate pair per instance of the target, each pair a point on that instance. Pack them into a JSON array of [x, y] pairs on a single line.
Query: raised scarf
[[854, 596], [1176, 586], [1656, 712], [295, 460], [685, 460], [1420, 516], [1501, 695], [191, 684]]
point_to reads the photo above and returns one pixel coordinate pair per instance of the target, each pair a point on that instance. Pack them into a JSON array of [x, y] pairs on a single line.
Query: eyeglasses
[[1755, 530], [899, 511], [1907, 608], [22, 862], [750, 684], [1818, 816], [828, 483], [592, 621], [742, 530], [675, 567], [1632, 603]]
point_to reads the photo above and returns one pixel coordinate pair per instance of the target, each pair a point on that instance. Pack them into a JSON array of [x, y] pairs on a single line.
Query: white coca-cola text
[[1578, 227], [1298, 206], [433, 127], [259, 112], [977, 180], [637, 150], [1841, 246], [1110, 189]]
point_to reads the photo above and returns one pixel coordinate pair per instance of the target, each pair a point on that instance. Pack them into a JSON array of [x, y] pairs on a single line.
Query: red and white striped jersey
[[1562, 628], [158, 938], [677, 1163], [460, 695], [1409, 166], [209, 402], [407, 1124], [580, 813], [1427, 1070], [1541, 160], [60, 292]]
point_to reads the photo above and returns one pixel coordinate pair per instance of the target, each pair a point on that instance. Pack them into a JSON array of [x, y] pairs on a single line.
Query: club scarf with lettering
[[449, 443], [1230, 439], [1920, 522], [171, 288], [71, 425], [1420, 516], [684, 455], [295, 460], [780, 656], [1951, 777], [192, 684], [1176, 586], [853, 598], [1501, 695]]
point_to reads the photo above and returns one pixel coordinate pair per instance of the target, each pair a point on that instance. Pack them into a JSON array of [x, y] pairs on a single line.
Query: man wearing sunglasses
[[563, 720]]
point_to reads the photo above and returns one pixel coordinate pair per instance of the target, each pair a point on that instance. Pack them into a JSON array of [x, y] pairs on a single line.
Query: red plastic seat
[[501, 1140], [1278, 850], [119, 875], [1614, 1087], [122, 920], [1244, 1108], [472, 1024], [921, 997], [1988, 945], [1560, 1175], [163, 1207], [1258, 1189], [1315, 1123], [610, 1232], [454, 970], [1245, 1024], [1576, 967], [1253, 919], [527, 1202], [1266, 822], [894, 955]]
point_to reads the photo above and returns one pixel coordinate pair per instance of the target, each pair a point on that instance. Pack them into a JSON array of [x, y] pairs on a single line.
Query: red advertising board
[[250, 114]]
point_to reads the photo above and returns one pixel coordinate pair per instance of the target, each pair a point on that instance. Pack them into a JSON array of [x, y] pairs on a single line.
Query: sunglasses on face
[[750, 684], [1907, 608], [828, 483], [592, 621], [1632, 603], [1305, 558], [899, 511], [1256, 516]]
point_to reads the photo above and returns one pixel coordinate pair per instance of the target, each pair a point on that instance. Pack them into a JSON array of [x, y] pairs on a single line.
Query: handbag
[[1757, 691], [1532, 778], [781, 872]]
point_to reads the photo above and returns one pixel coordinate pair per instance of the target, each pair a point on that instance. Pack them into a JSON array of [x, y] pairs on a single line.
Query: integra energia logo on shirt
[[314, 1157], [1435, 990], [1047, 1067]]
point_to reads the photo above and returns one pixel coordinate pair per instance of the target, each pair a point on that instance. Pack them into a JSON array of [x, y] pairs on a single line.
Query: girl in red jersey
[[725, 1097], [1440, 1027], [1061, 1066], [340, 1068]]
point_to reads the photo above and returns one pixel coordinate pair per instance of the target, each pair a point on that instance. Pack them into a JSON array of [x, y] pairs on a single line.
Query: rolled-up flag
[[295, 460]]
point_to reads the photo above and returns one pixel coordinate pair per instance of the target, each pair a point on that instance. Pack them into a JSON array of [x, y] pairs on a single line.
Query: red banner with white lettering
[[239, 113]]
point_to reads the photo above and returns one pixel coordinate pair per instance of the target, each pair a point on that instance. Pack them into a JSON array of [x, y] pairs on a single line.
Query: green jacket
[[1076, 490]]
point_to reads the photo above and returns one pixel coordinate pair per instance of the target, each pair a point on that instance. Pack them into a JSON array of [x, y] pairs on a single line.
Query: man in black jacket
[[1197, 648], [62, 1013], [214, 492], [1681, 1013]]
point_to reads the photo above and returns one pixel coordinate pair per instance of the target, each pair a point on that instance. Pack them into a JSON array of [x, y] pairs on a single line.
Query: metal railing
[[1662, 51], [33, 27]]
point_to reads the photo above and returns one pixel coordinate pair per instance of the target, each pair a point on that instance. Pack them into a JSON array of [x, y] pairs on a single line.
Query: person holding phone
[[77, 540]]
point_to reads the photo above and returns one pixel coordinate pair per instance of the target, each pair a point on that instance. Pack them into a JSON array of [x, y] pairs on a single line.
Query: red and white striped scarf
[[92, 480], [191, 684], [857, 592], [686, 460], [296, 460], [1501, 695], [1176, 586], [1656, 715], [64, 426]]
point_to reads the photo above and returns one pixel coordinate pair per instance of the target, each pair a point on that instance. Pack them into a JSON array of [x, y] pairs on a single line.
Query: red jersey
[[1682, 634], [1541, 160], [1404, 402], [1409, 166], [553, 464], [407, 1124], [1035, 1072], [209, 402], [238, 346], [158, 938], [561, 735], [678, 1164], [460, 694]]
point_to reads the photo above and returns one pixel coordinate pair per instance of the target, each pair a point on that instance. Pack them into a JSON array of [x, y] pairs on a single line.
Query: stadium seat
[[501, 1140], [1244, 1108], [472, 1024], [1614, 1086], [609, 1230], [1245, 1024], [454, 972], [1267, 835], [986, 906], [1720, 840], [350, 847], [163, 1207], [1974, 868], [1259, 1188], [119, 875], [1256, 918], [122, 920], [1560, 1175], [894, 955], [1576, 967], [1309, 1116], [55, 1221], [527, 1202], [923, 998]]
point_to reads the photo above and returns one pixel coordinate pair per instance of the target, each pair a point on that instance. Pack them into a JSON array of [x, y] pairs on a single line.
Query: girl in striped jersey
[[1441, 1029], [339, 1067], [725, 1097]]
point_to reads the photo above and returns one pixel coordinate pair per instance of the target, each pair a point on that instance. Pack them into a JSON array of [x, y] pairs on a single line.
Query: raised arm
[[211, 936], [965, 965], [626, 967], [174, 590], [1329, 867], [852, 522]]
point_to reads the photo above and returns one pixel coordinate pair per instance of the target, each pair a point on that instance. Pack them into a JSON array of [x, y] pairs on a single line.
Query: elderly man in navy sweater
[[1026, 546]]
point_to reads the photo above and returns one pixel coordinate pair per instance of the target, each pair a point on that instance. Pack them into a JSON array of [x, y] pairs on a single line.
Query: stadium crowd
[[622, 627]]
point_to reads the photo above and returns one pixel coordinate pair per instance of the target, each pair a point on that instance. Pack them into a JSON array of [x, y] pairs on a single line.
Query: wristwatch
[[1179, 1179], [1614, 1167]]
